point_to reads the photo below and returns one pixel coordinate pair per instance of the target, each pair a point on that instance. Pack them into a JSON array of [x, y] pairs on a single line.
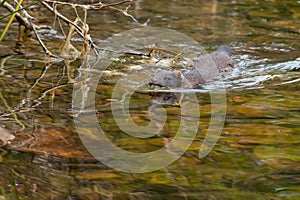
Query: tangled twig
[[28, 21], [96, 6]]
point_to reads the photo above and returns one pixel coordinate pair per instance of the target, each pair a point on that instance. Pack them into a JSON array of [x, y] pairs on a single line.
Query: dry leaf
[[5, 135]]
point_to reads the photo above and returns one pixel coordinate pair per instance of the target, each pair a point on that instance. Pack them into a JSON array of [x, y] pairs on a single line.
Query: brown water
[[256, 156]]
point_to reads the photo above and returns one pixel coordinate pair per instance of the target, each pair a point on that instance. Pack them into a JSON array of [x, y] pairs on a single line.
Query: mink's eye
[[230, 65], [167, 98]]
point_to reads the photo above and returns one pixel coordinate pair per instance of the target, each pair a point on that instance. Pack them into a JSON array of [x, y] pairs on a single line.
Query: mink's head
[[164, 78], [223, 49], [217, 63]]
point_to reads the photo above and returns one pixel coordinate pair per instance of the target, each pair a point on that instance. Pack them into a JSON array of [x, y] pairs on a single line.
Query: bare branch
[[96, 6], [78, 29], [22, 20], [25, 19]]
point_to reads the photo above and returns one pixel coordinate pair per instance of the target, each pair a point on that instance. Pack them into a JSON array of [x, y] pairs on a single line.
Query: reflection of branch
[[34, 105], [35, 102], [2, 62], [29, 92], [38, 101], [12, 112]]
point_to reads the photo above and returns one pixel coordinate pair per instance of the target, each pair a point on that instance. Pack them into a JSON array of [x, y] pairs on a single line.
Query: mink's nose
[[152, 82]]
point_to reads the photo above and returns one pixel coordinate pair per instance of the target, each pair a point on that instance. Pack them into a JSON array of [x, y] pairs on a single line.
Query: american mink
[[206, 69]]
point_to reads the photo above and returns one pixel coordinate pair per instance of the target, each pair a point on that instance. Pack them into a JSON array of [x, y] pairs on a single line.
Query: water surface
[[257, 155]]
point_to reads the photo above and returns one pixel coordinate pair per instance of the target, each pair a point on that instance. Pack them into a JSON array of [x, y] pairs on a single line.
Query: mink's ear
[[179, 74], [158, 69]]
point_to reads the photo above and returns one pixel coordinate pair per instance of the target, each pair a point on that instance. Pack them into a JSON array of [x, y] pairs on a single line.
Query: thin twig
[[40, 41], [10, 20], [96, 6], [77, 28], [61, 28], [2, 62], [22, 20], [125, 12], [99, 6]]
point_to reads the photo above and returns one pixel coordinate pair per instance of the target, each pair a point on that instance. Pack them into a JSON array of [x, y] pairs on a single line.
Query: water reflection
[[166, 98]]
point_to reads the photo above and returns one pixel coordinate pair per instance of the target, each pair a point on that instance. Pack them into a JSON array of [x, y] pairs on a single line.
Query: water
[[256, 156]]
